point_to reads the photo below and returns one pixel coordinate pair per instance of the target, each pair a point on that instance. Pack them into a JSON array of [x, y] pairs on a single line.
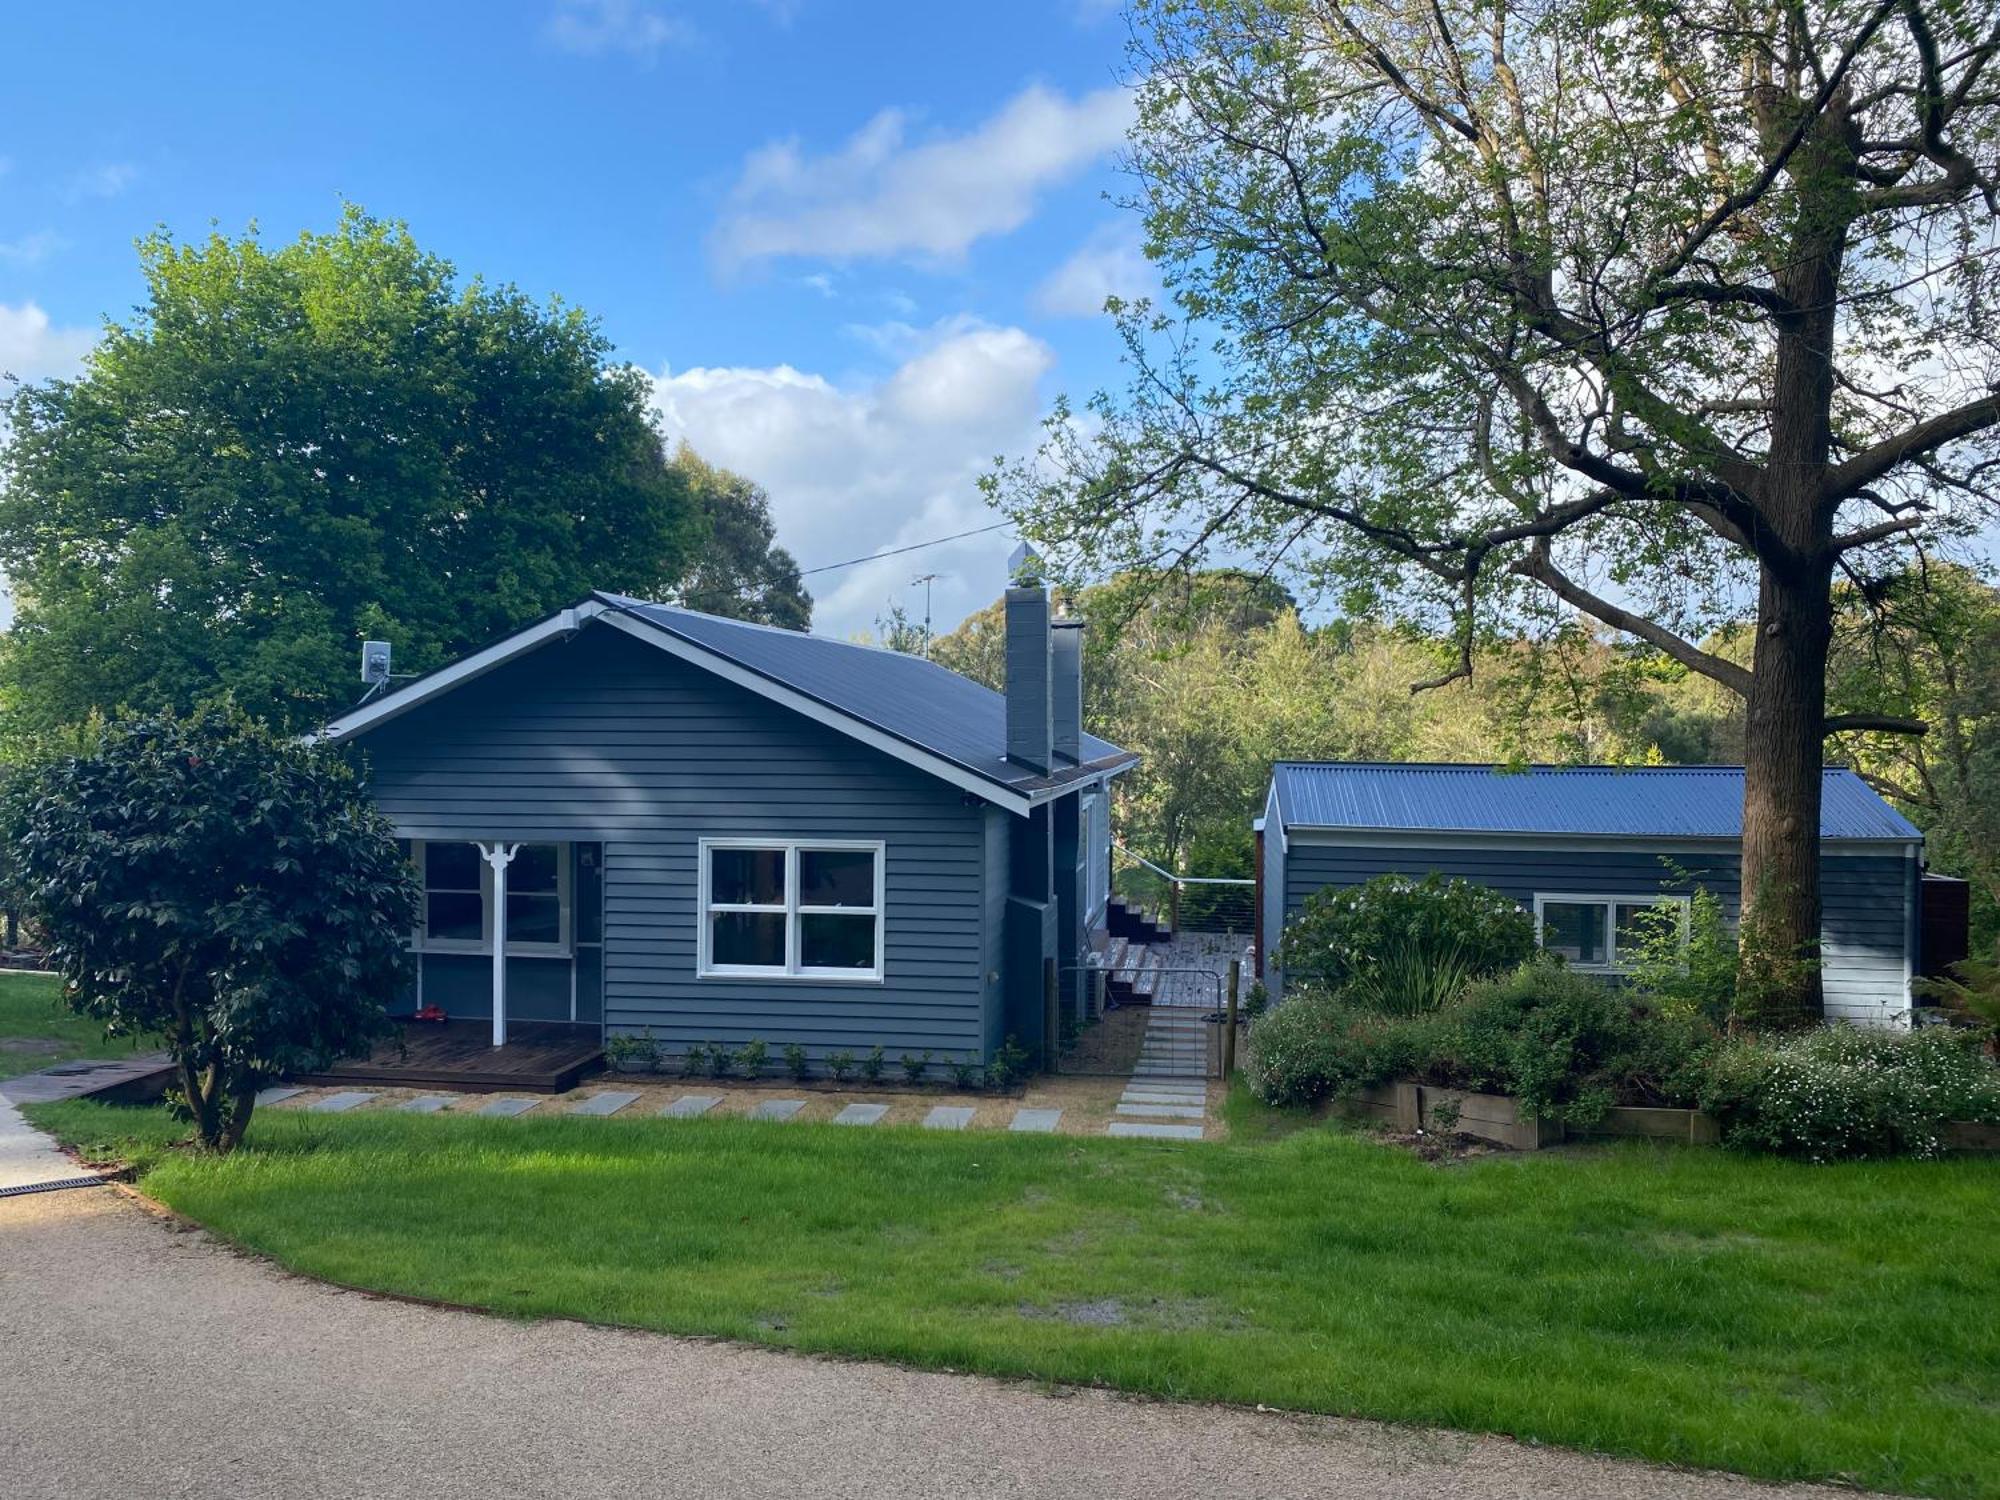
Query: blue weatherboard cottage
[[1584, 847], [630, 816]]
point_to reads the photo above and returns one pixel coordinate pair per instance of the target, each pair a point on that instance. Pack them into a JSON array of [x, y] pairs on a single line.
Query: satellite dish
[[374, 662]]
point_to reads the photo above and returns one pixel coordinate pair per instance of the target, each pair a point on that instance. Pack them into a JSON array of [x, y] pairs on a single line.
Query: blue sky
[[858, 246]]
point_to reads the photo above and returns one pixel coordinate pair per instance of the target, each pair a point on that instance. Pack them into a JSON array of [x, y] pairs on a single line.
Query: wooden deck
[[541, 1057]]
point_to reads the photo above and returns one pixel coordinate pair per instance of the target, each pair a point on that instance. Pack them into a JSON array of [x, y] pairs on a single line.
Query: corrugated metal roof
[[1615, 801], [917, 701]]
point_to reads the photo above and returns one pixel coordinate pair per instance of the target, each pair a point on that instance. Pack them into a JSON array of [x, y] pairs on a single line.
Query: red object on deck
[[431, 1013]]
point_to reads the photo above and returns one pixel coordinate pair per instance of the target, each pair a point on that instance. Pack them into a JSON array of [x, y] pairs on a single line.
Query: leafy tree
[[289, 449], [740, 570], [1480, 298], [227, 888], [1925, 643]]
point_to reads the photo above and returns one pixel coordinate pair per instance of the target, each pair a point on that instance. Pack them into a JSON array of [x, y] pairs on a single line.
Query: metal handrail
[[1140, 859]]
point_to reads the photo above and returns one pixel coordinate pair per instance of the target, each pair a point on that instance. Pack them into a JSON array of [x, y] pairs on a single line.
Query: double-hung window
[[1598, 932], [774, 909], [457, 915]]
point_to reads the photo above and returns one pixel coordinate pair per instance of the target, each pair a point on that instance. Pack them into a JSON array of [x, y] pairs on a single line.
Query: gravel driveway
[[139, 1357]]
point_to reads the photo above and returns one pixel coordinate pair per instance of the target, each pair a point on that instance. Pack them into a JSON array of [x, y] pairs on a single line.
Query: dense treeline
[[1214, 677]]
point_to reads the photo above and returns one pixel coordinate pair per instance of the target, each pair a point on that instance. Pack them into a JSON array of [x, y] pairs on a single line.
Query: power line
[[913, 547]]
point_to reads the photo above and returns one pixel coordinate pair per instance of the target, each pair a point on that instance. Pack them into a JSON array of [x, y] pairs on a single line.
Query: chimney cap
[[1024, 564]]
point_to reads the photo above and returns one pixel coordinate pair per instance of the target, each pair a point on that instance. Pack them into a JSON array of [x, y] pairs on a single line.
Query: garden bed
[[1411, 1106]]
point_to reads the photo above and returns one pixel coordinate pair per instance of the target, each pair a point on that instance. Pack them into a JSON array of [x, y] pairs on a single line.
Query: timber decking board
[[541, 1057]]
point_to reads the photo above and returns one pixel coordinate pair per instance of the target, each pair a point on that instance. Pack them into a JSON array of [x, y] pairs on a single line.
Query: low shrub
[[796, 1063], [632, 1054], [873, 1063], [1401, 945], [1565, 1044], [694, 1062], [1569, 1046], [1843, 1091], [840, 1065], [750, 1057], [721, 1061], [1009, 1065], [915, 1067], [965, 1073]]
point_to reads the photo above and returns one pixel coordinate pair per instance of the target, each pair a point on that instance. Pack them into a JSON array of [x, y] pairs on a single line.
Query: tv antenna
[[926, 579]]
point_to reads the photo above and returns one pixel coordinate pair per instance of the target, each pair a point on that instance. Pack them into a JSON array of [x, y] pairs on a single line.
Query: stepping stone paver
[[1155, 1132], [861, 1114], [603, 1104], [425, 1104], [689, 1106], [334, 1104], [508, 1106], [1168, 1096], [1164, 1111], [948, 1117], [277, 1096], [777, 1109], [1039, 1121]]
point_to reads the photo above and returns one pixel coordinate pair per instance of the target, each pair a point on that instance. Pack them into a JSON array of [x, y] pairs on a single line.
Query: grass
[[1665, 1303], [41, 1031]]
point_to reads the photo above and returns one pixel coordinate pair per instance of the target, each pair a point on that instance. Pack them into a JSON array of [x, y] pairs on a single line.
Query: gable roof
[[1696, 802], [911, 708]]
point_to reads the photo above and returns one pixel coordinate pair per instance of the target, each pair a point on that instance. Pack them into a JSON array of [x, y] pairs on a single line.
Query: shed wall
[[1867, 896]]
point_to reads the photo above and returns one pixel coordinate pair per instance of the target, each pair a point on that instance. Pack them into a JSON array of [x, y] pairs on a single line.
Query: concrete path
[[230, 1379], [87, 1075], [30, 1160]]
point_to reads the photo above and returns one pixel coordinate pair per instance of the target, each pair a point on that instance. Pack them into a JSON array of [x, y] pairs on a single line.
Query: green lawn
[[36, 1031], [1669, 1303]]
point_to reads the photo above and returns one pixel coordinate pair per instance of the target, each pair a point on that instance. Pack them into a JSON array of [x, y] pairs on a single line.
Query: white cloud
[[33, 348], [1109, 264], [854, 470], [31, 249], [593, 28], [107, 180], [881, 194]]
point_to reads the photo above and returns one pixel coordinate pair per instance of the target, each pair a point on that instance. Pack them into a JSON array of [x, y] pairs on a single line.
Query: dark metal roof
[[1605, 801], [919, 702]]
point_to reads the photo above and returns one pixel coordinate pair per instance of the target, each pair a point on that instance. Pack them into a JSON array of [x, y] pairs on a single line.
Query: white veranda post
[[498, 857]]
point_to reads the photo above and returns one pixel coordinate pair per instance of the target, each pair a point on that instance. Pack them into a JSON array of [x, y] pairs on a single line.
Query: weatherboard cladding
[[602, 738], [1598, 801], [917, 701], [1864, 896]]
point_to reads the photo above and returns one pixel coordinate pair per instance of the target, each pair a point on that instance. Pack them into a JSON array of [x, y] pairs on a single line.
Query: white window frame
[[422, 942], [792, 969], [1096, 807], [1616, 964]]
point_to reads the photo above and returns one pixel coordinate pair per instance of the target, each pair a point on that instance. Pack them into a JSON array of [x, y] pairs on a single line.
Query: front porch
[[538, 1057]]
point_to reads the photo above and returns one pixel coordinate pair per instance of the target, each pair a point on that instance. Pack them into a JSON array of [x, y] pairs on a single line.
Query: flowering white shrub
[[1844, 1091]]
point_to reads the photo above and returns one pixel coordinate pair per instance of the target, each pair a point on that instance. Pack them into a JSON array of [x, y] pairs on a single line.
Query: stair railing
[[1224, 889]]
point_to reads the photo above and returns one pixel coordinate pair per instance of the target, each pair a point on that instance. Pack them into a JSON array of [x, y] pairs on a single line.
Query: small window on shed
[[1597, 932]]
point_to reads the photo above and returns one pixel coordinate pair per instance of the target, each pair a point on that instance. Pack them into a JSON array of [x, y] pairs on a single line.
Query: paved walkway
[[29, 1161], [1167, 1097], [228, 1378]]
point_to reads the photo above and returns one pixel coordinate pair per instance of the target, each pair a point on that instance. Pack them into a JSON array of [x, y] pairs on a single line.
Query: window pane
[[533, 869], [836, 877], [451, 867], [747, 937], [1575, 930], [1637, 920], [533, 918], [453, 915], [836, 942], [746, 877]]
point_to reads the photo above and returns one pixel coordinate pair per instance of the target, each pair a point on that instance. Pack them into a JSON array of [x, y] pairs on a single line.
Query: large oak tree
[[1652, 308]]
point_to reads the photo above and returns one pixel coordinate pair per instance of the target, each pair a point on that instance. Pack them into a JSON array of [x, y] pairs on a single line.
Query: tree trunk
[[1780, 982]]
